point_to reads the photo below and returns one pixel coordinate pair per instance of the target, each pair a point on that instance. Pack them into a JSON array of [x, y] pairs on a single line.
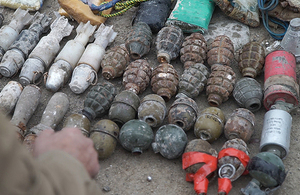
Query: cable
[[265, 7]]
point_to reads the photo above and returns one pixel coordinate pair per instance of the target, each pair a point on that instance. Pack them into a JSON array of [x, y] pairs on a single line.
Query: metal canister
[[280, 79], [275, 137]]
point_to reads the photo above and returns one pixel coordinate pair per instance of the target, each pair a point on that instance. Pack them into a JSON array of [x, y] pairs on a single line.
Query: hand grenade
[[168, 43], [251, 59], [139, 40], [114, 62], [137, 76], [193, 80], [164, 81], [220, 84], [221, 51], [193, 50]]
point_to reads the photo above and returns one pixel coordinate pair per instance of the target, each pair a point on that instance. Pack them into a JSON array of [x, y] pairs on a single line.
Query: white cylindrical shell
[[9, 96], [8, 35], [46, 50], [83, 76], [92, 56], [71, 53], [32, 70]]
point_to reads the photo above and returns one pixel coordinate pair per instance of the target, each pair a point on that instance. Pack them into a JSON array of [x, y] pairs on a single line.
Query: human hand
[[71, 141]]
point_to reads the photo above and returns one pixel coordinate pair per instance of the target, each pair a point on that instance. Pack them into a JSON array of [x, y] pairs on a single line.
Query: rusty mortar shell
[[240, 125], [220, 51], [19, 50], [114, 62], [137, 76], [85, 73], [25, 107], [79, 121], [164, 81], [10, 32], [170, 141], [105, 135], [152, 110], [199, 145], [193, 80], [9, 96], [237, 169], [124, 107], [220, 84], [183, 112], [52, 116], [248, 93], [61, 70], [45, 51], [139, 40], [99, 100], [193, 50], [251, 59], [210, 123], [168, 43]]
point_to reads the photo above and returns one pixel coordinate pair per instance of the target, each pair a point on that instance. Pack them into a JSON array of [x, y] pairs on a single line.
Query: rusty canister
[[280, 79]]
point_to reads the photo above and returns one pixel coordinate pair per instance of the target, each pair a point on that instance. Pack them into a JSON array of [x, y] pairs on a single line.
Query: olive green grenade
[[136, 136], [170, 141]]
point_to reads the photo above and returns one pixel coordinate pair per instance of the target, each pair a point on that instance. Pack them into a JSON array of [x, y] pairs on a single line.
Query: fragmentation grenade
[[170, 141], [164, 81], [209, 125], [219, 84], [114, 62], [267, 169], [251, 59], [139, 40], [79, 121], [193, 50], [240, 125], [152, 110], [168, 43], [231, 166], [124, 107], [248, 93], [137, 76], [193, 80], [105, 137], [183, 112], [199, 157], [220, 51], [136, 136], [98, 100]]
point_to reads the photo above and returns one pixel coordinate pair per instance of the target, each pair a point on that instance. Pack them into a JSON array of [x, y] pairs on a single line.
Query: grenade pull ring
[[200, 177]]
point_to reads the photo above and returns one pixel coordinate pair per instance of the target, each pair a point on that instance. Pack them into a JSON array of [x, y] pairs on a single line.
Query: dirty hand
[[71, 141]]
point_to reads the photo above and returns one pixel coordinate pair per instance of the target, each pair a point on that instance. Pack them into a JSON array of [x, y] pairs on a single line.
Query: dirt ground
[[127, 174]]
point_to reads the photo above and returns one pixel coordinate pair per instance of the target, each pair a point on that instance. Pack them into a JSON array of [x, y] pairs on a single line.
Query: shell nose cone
[[76, 87], [24, 81], [54, 82], [5, 71]]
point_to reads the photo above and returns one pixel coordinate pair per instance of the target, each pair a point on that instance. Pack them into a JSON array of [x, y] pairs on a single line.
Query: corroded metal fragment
[[220, 51], [137, 76], [114, 62], [220, 84], [193, 80], [164, 81], [193, 50], [251, 59]]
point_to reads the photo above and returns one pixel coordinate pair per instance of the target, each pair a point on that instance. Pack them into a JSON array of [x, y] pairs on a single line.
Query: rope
[[122, 6], [265, 6]]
